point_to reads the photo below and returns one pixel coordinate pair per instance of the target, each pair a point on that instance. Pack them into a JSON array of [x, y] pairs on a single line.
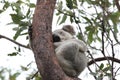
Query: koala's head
[[63, 34]]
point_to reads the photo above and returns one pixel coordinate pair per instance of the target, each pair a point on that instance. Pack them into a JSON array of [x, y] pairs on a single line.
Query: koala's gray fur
[[70, 52]]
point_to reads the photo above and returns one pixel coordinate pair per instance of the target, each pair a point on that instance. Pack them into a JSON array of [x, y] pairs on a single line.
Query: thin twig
[[93, 59], [117, 71], [1, 36], [117, 4], [113, 55], [91, 72], [34, 75], [103, 31]]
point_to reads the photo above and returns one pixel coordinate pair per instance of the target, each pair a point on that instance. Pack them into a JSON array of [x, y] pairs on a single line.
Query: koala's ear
[[69, 28]]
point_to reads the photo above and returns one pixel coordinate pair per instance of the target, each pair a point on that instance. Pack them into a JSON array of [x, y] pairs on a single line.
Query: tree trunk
[[42, 44]]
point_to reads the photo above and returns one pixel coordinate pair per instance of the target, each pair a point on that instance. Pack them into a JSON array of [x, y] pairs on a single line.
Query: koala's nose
[[56, 38]]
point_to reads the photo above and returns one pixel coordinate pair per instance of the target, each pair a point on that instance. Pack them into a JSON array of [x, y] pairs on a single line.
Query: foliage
[[100, 29], [97, 22], [8, 74], [21, 16], [21, 13]]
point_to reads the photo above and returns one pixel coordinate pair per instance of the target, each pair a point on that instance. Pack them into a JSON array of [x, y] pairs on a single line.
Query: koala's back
[[71, 56]]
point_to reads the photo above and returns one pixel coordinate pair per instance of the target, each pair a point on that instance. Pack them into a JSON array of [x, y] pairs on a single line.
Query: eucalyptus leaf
[[63, 19], [69, 4]]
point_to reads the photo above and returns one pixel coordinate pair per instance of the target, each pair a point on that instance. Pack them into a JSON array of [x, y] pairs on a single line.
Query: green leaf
[[75, 6], [71, 19], [101, 66], [98, 38], [17, 34], [24, 68], [79, 36], [92, 32], [13, 76], [16, 18], [115, 29], [1, 11], [58, 19], [32, 5], [7, 4], [106, 69], [69, 4], [90, 37], [87, 20], [75, 2], [24, 23], [16, 28], [63, 19], [115, 17], [60, 5], [13, 54], [28, 12]]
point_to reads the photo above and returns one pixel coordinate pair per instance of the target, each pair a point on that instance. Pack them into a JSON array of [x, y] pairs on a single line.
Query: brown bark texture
[[42, 44]]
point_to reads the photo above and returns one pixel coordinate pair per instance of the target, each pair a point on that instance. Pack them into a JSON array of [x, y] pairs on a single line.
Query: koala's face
[[61, 35]]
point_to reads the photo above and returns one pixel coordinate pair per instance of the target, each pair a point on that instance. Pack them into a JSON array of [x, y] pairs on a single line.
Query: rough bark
[[42, 44]]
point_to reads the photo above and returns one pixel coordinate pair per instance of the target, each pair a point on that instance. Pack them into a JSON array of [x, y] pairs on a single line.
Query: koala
[[70, 52], [63, 34]]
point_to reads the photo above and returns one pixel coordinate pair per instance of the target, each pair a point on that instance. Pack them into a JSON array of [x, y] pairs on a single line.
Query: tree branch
[[1, 36], [117, 4], [42, 42], [103, 59]]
